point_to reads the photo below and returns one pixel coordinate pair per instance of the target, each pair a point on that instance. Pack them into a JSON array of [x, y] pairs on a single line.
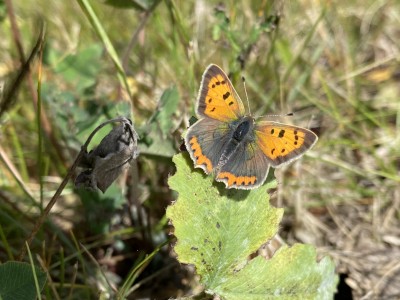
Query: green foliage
[[17, 281], [218, 229], [2, 10], [136, 4], [156, 134], [167, 108], [292, 273], [103, 36], [80, 69], [100, 207]]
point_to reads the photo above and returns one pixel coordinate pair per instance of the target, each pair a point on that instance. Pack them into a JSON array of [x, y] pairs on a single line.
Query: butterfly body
[[238, 149], [241, 133]]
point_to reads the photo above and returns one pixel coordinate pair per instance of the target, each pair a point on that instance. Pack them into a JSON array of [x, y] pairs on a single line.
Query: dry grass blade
[[9, 97]]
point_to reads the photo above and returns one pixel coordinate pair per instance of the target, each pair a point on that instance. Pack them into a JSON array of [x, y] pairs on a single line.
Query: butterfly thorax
[[242, 132], [242, 129]]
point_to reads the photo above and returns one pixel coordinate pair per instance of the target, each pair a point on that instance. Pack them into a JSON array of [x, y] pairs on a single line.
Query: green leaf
[[270, 23], [136, 4], [218, 229], [153, 143], [156, 135], [3, 11], [99, 208], [167, 107], [292, 273], [17, 282], [80, 69]]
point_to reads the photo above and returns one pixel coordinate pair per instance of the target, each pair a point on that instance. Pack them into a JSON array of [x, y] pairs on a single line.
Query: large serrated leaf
[[292, 273], [17, 282], [218, 229]]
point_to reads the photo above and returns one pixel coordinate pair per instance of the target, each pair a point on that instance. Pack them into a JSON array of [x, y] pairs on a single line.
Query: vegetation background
[[335, 64]]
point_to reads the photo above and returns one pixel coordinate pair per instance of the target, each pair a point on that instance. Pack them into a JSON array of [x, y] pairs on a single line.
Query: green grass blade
[[100, 31], [34, 272], [134, 273]]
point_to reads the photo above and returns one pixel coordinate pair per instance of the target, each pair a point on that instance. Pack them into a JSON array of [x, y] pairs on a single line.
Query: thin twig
[[15, 31], [11, 90], [73, 280], [149, 278], [51, 283], [134, 39], [18, 42], [17, 176], [377, 288], [99, 267]]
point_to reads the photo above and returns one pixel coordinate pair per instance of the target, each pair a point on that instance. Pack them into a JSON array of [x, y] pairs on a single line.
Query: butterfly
[[234, 146]]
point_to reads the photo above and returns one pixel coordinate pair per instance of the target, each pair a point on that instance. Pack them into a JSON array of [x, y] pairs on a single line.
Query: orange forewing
[[282, 143], [217, 97]]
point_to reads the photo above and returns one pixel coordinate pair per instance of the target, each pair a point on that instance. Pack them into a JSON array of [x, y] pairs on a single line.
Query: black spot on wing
[[226, 95]]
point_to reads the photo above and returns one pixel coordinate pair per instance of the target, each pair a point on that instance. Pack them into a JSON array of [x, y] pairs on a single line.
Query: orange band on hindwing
[[231, 179], [198, 155]]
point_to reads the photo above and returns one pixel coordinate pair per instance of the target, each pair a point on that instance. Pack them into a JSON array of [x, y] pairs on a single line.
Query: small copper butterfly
[[238, 149]]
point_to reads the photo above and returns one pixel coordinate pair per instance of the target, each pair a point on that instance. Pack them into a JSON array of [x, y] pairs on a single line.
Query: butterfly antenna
[[285, 115], [245, 91]]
